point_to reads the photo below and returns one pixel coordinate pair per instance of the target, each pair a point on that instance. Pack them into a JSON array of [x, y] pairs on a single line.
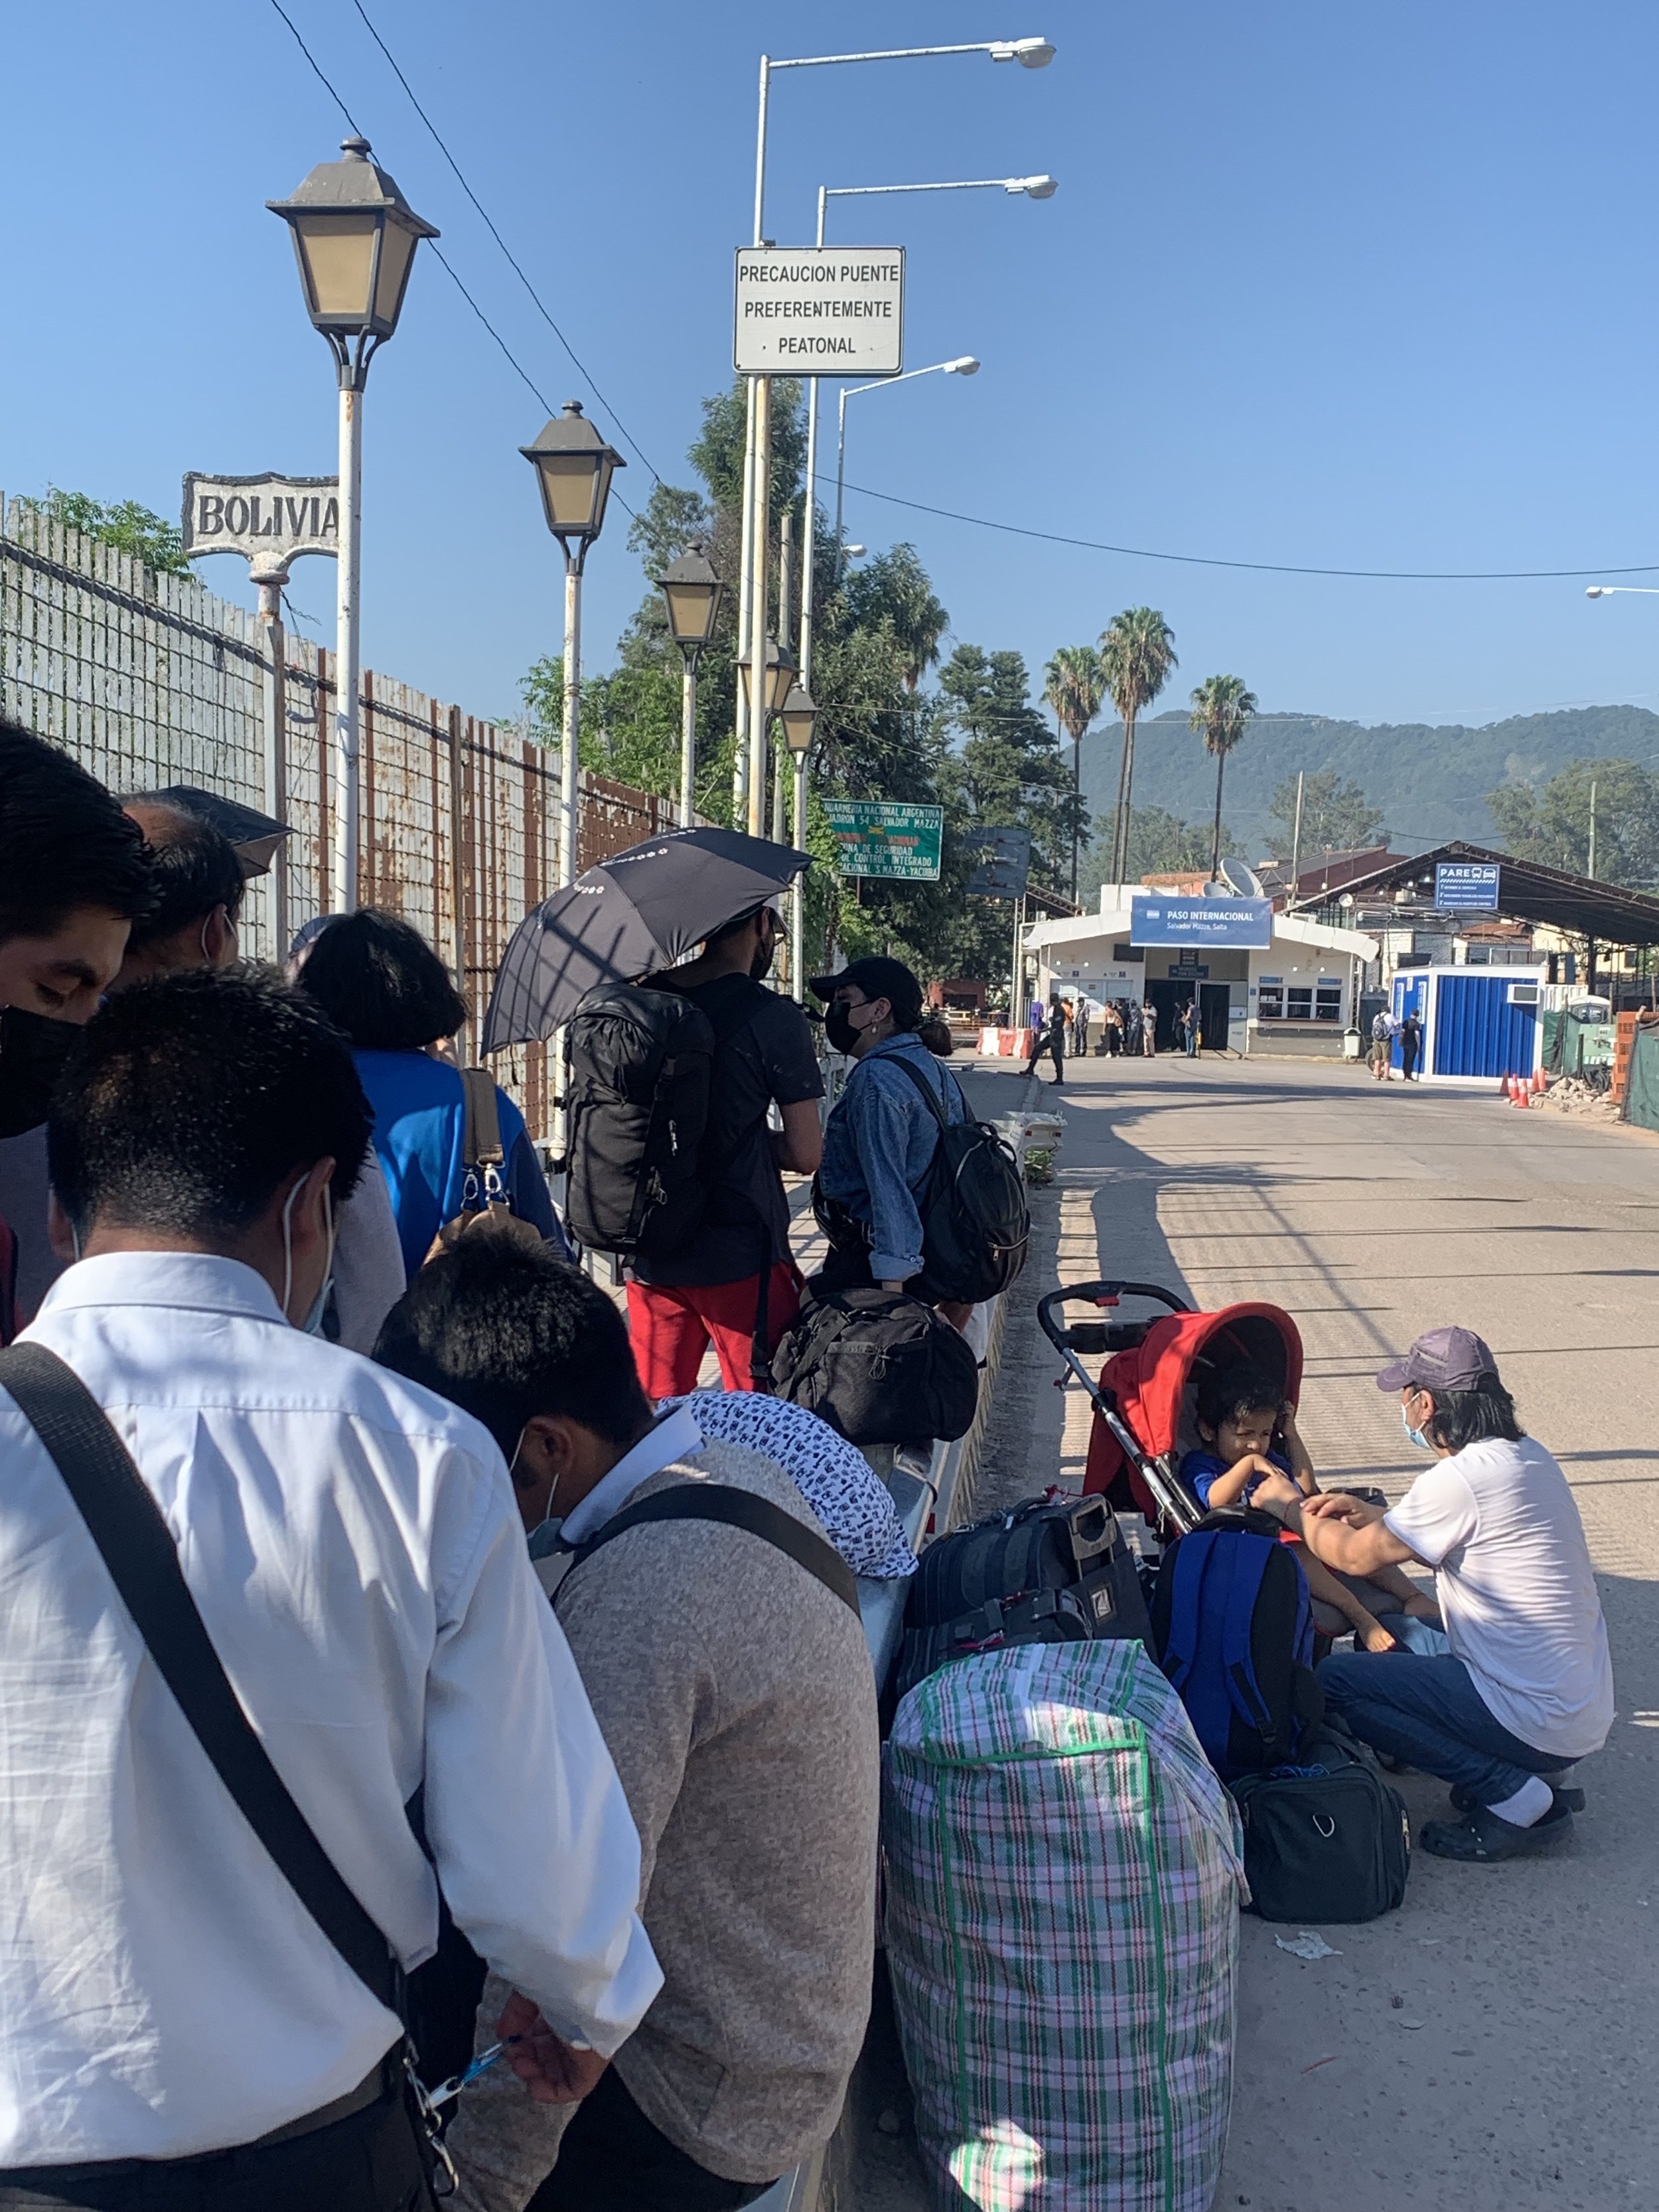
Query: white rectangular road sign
[[820, 311]]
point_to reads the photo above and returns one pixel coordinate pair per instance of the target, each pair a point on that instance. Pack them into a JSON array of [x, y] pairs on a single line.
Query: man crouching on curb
[[728, 1669]]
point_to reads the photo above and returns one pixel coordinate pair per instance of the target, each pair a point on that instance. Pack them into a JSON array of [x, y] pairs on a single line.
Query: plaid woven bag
[[1064, 1875]]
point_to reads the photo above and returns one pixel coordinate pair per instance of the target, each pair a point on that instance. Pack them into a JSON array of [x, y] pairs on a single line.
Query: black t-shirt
[[771, 1056]]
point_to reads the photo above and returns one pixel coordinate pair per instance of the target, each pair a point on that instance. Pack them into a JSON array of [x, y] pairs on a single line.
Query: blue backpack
[[1232, 1622]]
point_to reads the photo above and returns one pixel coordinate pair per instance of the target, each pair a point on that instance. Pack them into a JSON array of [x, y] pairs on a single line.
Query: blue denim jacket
[[877, 1142]]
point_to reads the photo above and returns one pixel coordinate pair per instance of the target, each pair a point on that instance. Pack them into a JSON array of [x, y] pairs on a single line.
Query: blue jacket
[[877, 1145], [420, 1130]]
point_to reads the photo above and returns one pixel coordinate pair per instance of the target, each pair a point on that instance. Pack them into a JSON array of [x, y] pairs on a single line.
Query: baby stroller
[[1144, 1400]]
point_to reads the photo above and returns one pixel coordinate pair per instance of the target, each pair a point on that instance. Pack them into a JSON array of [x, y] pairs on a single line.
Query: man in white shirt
[[176, 2028], [1519, 1686]]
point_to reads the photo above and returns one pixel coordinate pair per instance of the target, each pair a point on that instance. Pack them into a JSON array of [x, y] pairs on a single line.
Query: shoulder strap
[[737, 1509], [934, 1101], [126, 1523], [481, 1146]]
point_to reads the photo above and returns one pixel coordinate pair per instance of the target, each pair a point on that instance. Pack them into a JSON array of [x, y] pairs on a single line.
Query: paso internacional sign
[[820, 311], [268, 519], [887, 837], [1244, 924]]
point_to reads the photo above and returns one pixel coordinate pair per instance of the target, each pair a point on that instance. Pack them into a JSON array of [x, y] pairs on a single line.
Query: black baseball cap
[[878, 979], [1441, 1359]]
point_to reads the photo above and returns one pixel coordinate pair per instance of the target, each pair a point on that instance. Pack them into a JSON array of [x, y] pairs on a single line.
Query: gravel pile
[[1570, 1094]]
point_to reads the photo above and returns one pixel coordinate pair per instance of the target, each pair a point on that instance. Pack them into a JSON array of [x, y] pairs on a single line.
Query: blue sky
[[1364, 286]]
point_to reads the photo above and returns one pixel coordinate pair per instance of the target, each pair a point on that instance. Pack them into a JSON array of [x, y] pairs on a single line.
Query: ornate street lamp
[[574, 466], [799, 715], [692, 591], [355, 236]]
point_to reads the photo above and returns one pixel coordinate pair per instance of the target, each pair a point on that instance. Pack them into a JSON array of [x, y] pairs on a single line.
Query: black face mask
[[761, 966], [838, 1028], [32, 1050]]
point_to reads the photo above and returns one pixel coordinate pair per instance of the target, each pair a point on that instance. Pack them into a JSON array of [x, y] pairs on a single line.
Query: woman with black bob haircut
[[380, 982]]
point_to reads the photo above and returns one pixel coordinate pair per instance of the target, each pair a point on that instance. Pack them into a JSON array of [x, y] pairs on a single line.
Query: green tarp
[[1641, 1098]]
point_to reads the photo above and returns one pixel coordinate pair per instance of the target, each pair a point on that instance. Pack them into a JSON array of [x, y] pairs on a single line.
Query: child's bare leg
[[1322, 1584], [1413, 1600]]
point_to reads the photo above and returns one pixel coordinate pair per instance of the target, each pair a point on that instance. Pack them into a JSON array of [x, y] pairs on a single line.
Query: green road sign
[[887, 837]]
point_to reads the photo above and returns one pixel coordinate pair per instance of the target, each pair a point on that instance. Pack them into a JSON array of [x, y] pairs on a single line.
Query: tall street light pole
[[799, 715], [574, 465], [1032, 53], [692, 591], [1036, 188], [963, 365], [355, 237]]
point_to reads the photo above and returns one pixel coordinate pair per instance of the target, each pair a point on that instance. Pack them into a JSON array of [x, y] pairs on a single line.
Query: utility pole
[[1296, 837], [1591, 869]]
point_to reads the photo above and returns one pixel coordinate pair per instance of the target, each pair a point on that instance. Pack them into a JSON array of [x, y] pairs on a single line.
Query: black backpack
[[976, 1223], [880, 1367], [1051, 1571], [639, 1064], [1325, 1839]]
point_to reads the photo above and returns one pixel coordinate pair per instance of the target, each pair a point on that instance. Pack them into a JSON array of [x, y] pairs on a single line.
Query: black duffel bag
[[1326, 1840], [1051, 1571], [881, 1367]]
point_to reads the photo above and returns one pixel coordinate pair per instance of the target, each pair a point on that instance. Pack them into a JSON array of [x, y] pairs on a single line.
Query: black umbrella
[[646, 909], [255, 835]]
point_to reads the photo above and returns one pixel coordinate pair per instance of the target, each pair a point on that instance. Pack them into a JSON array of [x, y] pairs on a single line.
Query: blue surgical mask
[[545, 1537], [1416, 1435], [312, 1323]]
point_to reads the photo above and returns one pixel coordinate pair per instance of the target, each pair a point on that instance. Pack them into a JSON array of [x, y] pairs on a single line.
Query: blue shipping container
[[1477, 1029]]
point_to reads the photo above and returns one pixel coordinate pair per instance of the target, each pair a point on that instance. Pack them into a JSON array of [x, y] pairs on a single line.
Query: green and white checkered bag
[[1064, 1875]]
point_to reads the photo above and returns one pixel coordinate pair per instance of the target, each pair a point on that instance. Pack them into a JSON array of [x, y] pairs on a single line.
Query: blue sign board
[[1245, 924], [1466, 886]]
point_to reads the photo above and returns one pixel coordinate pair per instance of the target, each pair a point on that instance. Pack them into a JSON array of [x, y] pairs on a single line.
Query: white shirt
[[355, 1549], [1498, 1523], [676, 1435]]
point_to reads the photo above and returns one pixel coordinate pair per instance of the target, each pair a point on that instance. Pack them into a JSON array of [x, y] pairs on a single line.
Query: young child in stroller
[[1252, 1450]]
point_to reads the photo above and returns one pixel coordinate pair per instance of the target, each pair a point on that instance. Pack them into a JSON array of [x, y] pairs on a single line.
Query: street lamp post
[[355, 237], [574, 465], [691, 591], [963, 365], [799, 715], [1032, 53]]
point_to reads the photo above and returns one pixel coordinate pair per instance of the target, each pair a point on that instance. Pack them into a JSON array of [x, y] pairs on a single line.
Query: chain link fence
[[147, 679]]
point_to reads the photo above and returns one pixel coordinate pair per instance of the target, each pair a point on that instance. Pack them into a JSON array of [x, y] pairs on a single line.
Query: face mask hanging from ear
[[543, 1539], [1416, 1435], [312, 1323]]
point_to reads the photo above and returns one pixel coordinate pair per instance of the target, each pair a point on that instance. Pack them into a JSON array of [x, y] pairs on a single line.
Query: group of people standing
[[537, 1729], [1105, 1029], [1388, 1030]]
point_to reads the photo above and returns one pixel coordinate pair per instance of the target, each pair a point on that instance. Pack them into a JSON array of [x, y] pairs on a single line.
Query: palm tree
[[1074, 685], [1136, 652], [1221, 708]]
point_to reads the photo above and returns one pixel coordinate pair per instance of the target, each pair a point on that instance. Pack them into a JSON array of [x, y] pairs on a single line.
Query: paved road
[[1493, 2046]]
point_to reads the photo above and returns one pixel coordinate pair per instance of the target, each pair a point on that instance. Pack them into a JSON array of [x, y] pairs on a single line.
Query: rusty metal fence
[[148, 679]]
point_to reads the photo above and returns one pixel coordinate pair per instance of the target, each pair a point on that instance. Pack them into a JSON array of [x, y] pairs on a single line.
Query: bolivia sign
[[887, 837], [1466, 886], [820, 311], [269, 520], [1245, 924]]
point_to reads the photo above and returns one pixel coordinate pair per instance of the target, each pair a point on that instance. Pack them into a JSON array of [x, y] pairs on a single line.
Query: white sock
[[1529, 1805]]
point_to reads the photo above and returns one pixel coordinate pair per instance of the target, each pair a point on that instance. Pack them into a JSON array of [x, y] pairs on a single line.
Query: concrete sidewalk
[[1490, 2047]]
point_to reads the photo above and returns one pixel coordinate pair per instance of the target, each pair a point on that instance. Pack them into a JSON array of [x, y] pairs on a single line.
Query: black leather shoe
[[1482, 1839], [1465, 1801]]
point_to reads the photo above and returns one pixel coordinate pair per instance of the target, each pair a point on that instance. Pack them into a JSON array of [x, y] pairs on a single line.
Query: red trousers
[[671, 1326]]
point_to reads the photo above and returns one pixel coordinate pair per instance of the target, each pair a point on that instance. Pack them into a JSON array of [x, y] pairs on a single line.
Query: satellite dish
[[1241, 880]]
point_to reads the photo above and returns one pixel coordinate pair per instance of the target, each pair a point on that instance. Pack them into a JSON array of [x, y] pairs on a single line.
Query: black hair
[[728, 930], [186, 1102], [194, 868], [506, 1331], [1226, 1393], [64, 842], [377, 978], [1465, 1417]]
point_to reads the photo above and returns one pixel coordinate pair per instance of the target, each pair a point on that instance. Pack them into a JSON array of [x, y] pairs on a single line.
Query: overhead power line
[[1258, 567], [442, 258], [512, 262]]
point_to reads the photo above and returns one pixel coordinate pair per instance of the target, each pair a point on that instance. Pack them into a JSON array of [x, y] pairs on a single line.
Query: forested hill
[[1430, 779]]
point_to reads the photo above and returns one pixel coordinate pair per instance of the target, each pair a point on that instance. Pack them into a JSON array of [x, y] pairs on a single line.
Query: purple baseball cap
[[1441, 1359]]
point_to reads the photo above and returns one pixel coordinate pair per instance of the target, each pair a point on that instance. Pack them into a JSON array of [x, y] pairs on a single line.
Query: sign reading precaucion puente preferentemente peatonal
[[820, 311]]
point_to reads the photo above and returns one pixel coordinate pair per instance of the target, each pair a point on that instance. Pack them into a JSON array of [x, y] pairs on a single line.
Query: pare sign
[[269, 520]]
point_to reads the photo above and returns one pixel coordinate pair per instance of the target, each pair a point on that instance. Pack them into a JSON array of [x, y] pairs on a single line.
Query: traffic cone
[[1507, 1085], [1538, 1084], [1522, 1095]]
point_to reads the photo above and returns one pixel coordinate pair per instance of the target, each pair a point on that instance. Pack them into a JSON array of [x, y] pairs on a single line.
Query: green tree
[[1221, 708], [1159, 844], [1136, 650], [895, 588], [1553, 825], [128, 527], [1336, 817], [1074, 685]]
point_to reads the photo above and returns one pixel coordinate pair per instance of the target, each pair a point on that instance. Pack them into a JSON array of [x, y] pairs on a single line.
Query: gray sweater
[[736, 1695]]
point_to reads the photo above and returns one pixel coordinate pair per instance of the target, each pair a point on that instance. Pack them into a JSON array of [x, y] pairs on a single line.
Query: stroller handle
[[1097, 1294]]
